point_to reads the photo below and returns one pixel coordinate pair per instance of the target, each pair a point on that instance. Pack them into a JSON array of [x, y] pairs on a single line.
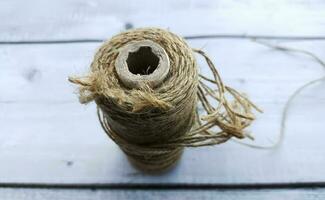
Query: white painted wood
[[48, 137], [75, 194], [37, 19]]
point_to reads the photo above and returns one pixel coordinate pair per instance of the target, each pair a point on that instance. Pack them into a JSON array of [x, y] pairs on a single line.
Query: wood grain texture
[[46, 136], [267, 194], [37, 19]]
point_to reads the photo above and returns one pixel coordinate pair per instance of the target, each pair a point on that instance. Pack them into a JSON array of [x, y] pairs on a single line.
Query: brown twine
[[153, 125]]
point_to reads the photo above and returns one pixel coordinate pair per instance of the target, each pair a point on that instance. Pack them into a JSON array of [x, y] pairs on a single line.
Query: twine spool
[[146, 85]]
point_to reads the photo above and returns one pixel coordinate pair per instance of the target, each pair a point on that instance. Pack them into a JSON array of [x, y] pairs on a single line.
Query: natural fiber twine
[[152, 125]]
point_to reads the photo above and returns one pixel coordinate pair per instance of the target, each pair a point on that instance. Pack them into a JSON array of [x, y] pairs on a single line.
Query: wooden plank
[[101, 19], [48, 137], [228, 194]]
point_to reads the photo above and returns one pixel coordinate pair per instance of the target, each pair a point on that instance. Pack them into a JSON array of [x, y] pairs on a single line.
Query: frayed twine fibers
[[146, 85]]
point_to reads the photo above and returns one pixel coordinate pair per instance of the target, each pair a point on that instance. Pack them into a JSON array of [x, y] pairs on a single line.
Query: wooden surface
[[47, 137], [63, 194]]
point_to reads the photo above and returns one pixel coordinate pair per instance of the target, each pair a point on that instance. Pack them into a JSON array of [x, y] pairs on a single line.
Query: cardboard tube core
[[142, 62]]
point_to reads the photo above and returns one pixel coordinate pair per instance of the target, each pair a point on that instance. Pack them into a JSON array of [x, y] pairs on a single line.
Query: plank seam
[[193, 37], [167, 186]]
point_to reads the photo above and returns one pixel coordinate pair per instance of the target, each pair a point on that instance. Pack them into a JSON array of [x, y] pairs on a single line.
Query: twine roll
[[146, 85]]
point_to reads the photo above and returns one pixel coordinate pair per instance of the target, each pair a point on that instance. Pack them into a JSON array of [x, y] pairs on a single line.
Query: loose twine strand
[[232, 113], [149, 143], [291, 98], [287, 106]]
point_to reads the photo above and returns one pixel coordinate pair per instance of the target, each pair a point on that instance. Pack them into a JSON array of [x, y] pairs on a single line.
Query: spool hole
[[143, 61]]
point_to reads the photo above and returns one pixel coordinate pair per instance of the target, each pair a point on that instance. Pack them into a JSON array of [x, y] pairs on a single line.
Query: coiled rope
[[153, 115]]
